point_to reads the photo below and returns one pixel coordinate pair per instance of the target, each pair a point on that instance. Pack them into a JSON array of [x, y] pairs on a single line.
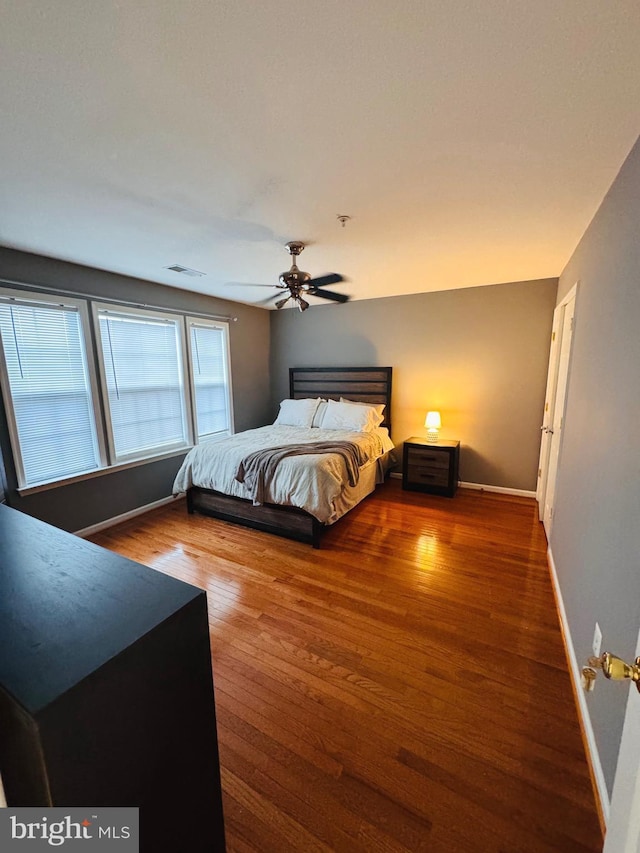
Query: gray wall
[[478, 355], [88, 502], [3, 480], [595, 540]]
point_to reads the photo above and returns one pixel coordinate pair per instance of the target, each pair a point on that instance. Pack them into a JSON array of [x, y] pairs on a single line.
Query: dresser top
[[67, 606]]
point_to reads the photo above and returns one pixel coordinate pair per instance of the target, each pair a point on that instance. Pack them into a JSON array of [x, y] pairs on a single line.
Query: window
[[164, 381], [47, 381], [209, 358], [141, 358]]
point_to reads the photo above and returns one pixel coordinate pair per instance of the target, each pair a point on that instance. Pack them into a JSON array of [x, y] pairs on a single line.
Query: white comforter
[[313, 483]]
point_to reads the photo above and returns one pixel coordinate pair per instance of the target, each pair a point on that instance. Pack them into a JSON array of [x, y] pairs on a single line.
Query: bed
[[308, 491]]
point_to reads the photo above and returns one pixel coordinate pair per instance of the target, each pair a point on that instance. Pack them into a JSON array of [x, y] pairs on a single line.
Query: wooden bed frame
[[360, 384]]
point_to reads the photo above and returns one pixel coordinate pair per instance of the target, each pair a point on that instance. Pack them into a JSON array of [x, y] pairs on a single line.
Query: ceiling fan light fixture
[[282, 302], [302, 304]]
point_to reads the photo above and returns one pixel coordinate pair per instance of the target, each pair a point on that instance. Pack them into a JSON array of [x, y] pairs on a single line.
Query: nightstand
[[431, 466]]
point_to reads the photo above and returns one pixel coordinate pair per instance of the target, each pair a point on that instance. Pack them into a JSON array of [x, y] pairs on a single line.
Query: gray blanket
[[257, 469]]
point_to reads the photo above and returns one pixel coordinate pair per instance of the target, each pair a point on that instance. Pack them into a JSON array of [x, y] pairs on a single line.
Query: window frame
[[121, 310], [34, 299], [192, 320]]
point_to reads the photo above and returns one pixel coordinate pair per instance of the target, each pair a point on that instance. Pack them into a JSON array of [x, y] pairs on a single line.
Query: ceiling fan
[[300, 284]]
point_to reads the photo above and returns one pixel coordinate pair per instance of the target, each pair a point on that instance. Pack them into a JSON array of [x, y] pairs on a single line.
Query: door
[[549, 397], [560, 354], [623, 826]]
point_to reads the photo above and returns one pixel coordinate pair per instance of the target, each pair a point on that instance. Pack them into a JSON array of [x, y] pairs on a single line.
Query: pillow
[[317, 418], [349, 417], [297, 412], [378, 408]]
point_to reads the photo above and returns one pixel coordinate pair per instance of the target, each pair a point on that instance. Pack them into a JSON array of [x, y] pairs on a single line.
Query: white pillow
[[317, 418], [348, 417], [378, 409], [297, 412]]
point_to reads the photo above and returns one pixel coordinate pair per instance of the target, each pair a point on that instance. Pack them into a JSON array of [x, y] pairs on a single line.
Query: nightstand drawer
[[428, 458], [428, 475]]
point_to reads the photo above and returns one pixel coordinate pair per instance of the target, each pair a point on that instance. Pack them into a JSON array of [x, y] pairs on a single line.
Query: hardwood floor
[[403, 689]]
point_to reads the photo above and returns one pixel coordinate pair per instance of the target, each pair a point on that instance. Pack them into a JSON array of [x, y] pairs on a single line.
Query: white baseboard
[[480, 487], [118, 519], [500, 490], [583, 710]]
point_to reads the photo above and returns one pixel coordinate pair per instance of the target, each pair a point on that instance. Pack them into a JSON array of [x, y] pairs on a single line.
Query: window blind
[[50, 390], [209, 368], [142, 367]]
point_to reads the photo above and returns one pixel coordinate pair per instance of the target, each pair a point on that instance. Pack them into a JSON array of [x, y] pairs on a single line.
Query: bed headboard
[[360, 384]]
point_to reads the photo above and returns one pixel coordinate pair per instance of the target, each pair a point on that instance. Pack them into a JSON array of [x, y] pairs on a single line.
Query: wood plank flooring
[[405, 688]]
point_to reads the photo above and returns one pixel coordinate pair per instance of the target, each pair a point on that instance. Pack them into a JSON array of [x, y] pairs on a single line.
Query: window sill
[[212, 438], [101, 472]]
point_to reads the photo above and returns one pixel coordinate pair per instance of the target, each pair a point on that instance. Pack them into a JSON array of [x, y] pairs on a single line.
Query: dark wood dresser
[[106, 691]]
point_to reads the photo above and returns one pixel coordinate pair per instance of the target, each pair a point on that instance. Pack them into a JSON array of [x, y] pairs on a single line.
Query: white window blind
[[209, 368], [143, 380], [52, 411]]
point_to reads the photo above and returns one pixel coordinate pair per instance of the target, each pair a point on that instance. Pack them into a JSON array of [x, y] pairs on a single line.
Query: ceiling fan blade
[[248, 284], [268, 299], [330, 278], [329, 294]]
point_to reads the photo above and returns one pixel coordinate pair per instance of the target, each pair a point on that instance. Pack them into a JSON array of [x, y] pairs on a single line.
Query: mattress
[[316, 483]]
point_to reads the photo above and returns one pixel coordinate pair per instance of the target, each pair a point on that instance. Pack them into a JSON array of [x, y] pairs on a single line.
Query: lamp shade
[[432, 421]]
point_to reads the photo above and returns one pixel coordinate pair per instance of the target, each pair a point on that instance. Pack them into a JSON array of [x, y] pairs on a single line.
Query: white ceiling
[[471, 143]]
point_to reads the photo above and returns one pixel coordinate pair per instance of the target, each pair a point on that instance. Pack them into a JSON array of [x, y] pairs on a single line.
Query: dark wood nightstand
[[431, 466]]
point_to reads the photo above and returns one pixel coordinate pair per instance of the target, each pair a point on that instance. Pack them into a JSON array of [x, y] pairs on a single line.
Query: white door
[[549, 398], [555, 407], [623, 826]]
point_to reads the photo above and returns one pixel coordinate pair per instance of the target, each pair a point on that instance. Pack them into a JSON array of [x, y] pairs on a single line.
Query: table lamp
[[433, 424]]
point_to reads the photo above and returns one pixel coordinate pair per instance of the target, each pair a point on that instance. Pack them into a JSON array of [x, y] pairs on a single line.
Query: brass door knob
[[616, 669]]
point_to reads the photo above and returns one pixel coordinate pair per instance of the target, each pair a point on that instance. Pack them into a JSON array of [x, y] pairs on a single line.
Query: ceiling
[[471, 143]]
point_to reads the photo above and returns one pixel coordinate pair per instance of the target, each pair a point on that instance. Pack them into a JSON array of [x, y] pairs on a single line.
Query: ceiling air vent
[[185, 271]]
